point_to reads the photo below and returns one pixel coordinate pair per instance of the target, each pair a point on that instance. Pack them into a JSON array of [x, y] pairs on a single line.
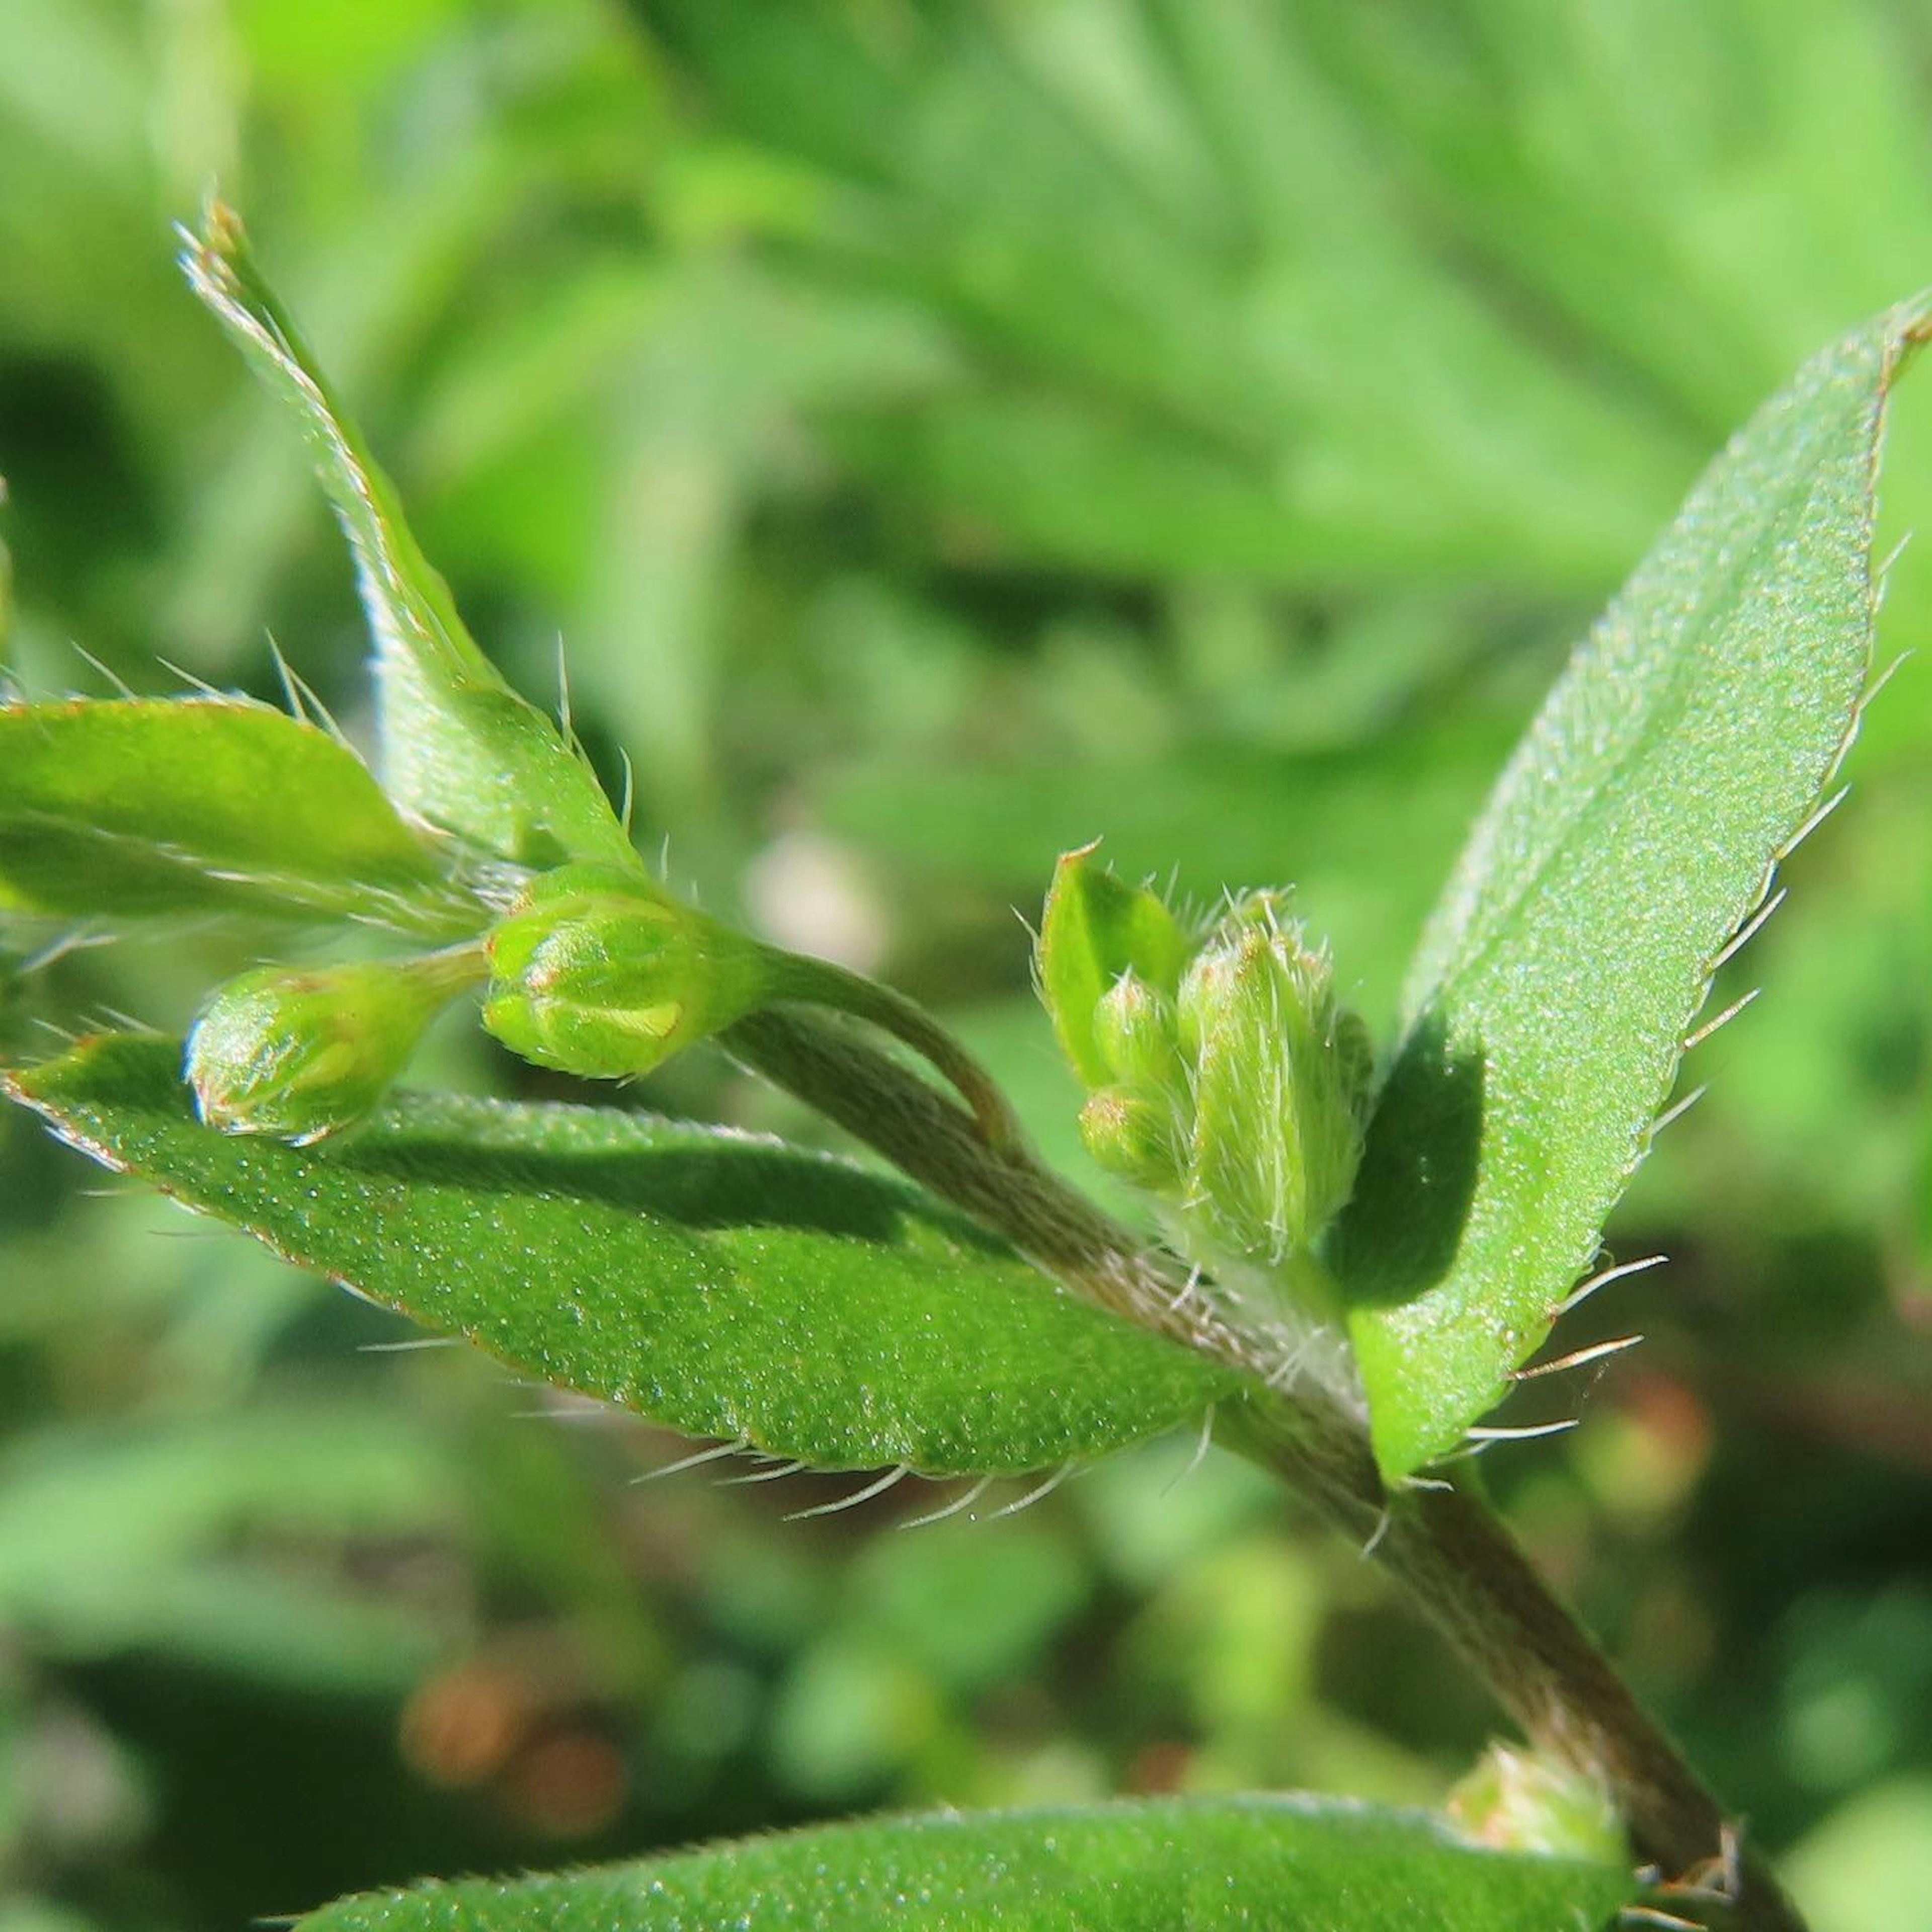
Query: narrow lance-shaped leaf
[[724, 1285], [1635, 828], [459, 748], [117, 809], [1293, 1865]]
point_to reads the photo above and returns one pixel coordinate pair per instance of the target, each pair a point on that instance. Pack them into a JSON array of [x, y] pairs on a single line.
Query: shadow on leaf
[[1399, 1234]]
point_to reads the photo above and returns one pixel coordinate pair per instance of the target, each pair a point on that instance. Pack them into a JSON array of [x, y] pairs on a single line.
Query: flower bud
[[1282, 1079], [1136, 1034], [599, 973], [1517, 1801], [301, 1055], [596, 975], [1133, 1132]]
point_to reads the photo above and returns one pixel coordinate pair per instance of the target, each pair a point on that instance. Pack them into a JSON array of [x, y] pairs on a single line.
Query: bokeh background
[[939, 433]]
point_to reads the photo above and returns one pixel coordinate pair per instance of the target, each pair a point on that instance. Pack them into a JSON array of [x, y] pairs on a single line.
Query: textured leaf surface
[[111, 809], [1286, 1863], [459, 748], [1634, 829], [724, 1285]]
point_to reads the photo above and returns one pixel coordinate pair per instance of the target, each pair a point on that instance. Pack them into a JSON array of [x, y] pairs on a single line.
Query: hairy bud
[[302, 1054], [1134, 1134], [1136, 1033], [595, 975], [1281, 1085], [1225, 1076], [1518, 1800], [600, 973]]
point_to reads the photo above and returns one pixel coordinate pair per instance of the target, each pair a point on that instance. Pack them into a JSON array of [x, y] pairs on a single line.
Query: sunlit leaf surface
[[111, 809], [1287, 1863], [726, 1285], [1637, 826]]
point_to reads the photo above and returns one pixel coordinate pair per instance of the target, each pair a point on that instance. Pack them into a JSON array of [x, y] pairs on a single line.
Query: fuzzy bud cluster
[[1224, 1076]]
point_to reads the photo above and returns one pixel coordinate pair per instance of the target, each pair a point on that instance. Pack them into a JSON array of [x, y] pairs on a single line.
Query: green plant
[[1362, 1267]]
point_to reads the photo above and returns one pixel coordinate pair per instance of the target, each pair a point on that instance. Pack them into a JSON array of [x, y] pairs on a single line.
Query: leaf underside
[[112, 809], [1290, 1864], [720, 1284], [1635, 828], [460, 749]]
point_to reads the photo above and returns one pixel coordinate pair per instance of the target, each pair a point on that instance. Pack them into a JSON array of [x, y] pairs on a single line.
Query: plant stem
[[1449, 1553], [798, 977], [1458, 1563]]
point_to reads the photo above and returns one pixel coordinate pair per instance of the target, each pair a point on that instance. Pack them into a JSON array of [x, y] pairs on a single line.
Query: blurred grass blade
[[117, 809], [723, 1286], [1634, 830], [1291, 1864], [164, 1538], [459, 748]]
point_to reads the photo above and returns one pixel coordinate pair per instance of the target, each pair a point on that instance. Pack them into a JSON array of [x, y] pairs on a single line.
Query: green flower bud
[[1135, 1033], [596, 975], [1094, 931], [301, 1055], [1282, 1080], [1133, 1132], [1516, 1801], [599, 973]]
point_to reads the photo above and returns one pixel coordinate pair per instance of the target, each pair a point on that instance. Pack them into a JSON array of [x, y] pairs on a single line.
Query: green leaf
[[1638, 825], [460, 749], [1096, 928], [151, 806], [724, 1285], [1291, 1864]]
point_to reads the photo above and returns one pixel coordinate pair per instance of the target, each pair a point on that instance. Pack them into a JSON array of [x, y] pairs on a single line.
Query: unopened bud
[[1135, 1031], [1134, 1134], [1282, 1077], [599, 973], [302, 1054], [595, 976], [1517, 1801]]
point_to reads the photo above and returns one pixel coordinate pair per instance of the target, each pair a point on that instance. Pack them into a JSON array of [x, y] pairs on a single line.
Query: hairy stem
[[1458, 1564], [1445, 1549], [889, 1107], [796, 977]]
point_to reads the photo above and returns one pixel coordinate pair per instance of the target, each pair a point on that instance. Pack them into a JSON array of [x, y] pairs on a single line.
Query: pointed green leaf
[[1096, 927], [724, 1285], [1637, 826], [1293, 1864], [460, 749], [115, 809]]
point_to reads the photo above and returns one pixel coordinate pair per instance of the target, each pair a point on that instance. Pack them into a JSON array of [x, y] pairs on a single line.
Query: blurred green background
[[939, 434]]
